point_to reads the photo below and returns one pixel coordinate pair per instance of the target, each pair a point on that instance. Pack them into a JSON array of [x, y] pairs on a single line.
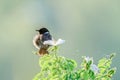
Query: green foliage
[[54, 67]]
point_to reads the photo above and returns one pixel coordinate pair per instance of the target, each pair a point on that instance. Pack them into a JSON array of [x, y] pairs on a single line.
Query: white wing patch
[[54, 43]]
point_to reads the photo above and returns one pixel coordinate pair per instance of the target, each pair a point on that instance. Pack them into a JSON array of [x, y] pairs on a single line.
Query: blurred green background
[[90, 27]]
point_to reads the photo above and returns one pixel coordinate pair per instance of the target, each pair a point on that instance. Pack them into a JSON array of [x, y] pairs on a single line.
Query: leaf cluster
[[54, 67]]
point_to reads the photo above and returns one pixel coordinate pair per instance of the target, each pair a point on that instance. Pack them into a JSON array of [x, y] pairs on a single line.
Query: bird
[[42, 36]]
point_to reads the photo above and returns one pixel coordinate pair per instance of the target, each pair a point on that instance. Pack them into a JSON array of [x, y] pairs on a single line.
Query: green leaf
[[54, 67]]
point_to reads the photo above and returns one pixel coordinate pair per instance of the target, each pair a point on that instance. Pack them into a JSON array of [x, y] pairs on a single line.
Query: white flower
[[94, 68], [87, 59], [54, 43]]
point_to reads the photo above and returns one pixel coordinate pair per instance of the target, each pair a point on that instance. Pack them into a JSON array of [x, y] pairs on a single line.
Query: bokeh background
[[90, 28]]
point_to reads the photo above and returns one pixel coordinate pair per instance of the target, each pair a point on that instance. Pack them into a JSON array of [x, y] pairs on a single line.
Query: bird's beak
[[36, 30]]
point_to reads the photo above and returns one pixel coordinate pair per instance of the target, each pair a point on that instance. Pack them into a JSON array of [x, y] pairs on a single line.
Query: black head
[[43, 30]]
